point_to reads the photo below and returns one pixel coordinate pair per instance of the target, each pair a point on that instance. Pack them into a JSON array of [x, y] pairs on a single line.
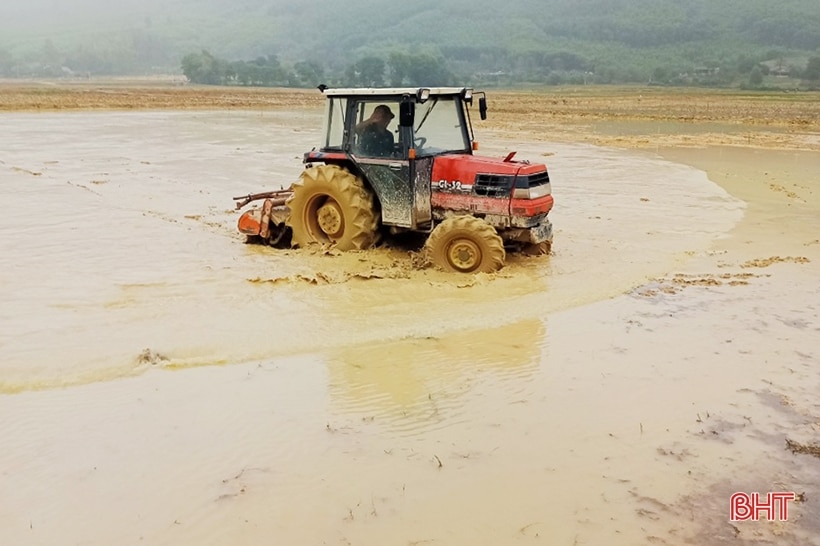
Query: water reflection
[[418, 382]]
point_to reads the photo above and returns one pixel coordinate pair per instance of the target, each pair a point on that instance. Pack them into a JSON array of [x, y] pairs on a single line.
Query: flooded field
[[163, 383], [127, 241]]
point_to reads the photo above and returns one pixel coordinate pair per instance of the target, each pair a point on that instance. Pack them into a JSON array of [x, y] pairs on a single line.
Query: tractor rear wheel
[[331, 205], [465, 244]]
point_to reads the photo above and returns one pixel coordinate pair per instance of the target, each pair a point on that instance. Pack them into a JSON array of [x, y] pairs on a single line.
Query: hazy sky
[[35, 16]]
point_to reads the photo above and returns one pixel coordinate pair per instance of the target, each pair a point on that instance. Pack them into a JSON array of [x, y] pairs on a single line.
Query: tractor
[[376, 174]]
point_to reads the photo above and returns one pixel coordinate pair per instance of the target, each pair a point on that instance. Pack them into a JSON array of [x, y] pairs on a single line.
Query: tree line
[[547, 68], [397, 69], [449, 65]]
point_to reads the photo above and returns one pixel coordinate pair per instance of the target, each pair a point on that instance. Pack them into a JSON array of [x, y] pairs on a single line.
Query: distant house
[[490, 75], [706, 70]]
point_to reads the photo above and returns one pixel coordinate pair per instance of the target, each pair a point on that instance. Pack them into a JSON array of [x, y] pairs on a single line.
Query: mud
[[164, 383]]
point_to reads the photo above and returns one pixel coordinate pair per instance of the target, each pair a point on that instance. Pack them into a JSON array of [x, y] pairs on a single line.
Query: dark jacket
[[375, 142]]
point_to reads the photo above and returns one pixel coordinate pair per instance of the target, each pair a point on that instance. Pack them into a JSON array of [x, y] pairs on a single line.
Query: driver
[[374, 137]]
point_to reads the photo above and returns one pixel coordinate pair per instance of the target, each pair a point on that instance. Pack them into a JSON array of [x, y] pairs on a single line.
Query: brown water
[[613, 393], [125, 240]]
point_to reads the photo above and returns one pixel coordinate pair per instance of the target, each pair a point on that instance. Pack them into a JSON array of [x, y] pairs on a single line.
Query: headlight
[[423, 94]]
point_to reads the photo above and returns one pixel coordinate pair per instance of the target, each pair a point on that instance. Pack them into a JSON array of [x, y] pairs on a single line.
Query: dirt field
[[162, 383], [793, 114]]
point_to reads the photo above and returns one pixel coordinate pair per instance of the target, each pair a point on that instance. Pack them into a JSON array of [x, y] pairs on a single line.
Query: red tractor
[[377, 173]]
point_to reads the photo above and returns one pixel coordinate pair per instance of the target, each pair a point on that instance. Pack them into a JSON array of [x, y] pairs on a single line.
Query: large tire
[[465, 244], [330, 205], [539, 249]]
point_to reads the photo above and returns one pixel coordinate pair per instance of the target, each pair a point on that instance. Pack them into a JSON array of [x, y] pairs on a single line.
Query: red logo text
[[774, 506]]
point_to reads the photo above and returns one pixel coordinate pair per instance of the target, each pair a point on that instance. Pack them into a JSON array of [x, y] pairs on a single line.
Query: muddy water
[[122, 240], [611, 393]]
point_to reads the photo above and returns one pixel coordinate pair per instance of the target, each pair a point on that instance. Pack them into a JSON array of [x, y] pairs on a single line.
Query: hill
[[540, 41]]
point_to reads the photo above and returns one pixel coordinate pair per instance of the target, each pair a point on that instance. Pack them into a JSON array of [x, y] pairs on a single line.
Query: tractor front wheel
[[330, 205], [539, 249], [465, 244]]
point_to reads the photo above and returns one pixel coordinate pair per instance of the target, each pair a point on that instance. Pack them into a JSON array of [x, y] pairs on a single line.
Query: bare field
[[137, 95], [778, 109], [667, 104], [656, 116]]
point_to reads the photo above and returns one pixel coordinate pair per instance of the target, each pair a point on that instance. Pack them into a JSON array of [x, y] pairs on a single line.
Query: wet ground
[[164, 383]]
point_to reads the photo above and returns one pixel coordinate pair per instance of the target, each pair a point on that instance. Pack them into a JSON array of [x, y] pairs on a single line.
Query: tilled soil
[[777, 109], [688, 116]]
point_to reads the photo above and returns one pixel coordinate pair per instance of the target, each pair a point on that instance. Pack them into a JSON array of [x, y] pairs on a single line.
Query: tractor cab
[[392, 136], [429, 121]]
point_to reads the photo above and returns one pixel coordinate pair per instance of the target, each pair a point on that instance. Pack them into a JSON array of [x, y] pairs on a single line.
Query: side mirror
[[482, 107], [407, 114]]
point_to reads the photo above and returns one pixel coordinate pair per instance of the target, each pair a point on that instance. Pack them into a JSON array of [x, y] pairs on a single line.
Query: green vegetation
[[399, 69], [740, 43]]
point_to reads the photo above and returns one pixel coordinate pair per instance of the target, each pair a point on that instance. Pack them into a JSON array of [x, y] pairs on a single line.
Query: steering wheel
[[419, 142]]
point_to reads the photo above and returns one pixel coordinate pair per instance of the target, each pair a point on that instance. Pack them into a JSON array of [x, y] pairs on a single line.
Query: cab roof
[[396, 91]]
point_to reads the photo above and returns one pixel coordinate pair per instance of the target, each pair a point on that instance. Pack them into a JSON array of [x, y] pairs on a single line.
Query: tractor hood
[[466, 168], [497, 187]]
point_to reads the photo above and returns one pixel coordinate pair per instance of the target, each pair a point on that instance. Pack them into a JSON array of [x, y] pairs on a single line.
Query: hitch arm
[[278, 195]]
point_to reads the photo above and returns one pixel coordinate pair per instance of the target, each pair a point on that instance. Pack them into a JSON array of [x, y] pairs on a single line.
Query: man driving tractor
[[375, 139]]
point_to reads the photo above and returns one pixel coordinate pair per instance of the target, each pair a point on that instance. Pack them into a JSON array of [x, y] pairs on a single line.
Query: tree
[[309, 73], [366, 72], [241, 73], [418, 69], [756, 77], [660, 74], [429, 70], [399, 64], [204, 68]]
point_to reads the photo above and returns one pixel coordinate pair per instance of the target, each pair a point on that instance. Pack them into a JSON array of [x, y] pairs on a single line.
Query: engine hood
[[464, 168]]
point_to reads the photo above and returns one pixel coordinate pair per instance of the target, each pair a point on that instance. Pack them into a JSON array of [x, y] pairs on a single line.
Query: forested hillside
[[277, 42]]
